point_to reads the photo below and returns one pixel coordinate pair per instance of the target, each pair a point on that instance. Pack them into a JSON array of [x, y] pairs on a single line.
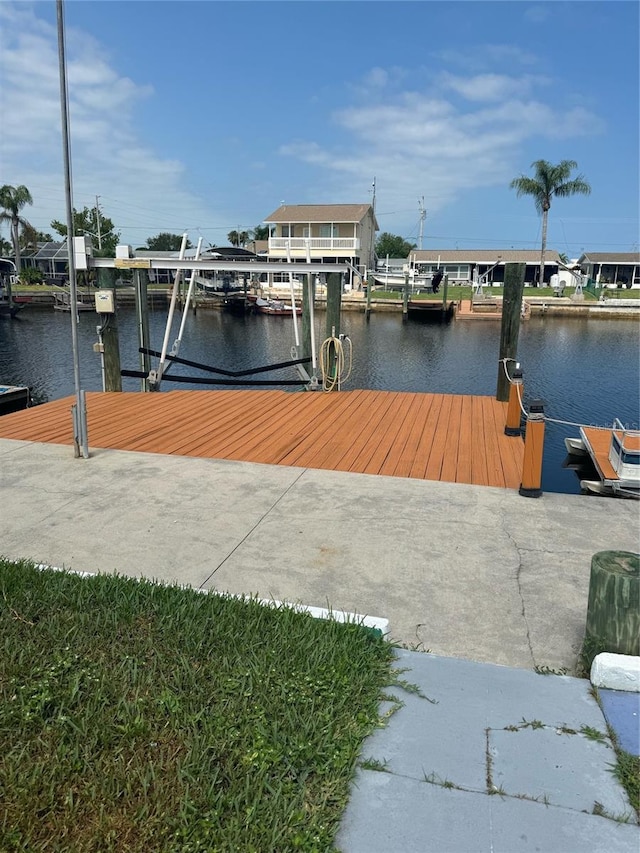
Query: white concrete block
[[616, 672]]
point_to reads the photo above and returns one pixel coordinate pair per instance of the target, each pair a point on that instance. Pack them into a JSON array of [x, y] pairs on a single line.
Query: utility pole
[[372, 259], [98, 222], [423, 216]]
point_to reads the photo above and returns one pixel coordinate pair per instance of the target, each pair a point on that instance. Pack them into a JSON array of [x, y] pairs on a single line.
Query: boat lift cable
[[205, 380], [545, 417], [223, 372]]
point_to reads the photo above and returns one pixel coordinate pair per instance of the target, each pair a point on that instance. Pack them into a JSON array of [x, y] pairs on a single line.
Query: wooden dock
[[453, 438]]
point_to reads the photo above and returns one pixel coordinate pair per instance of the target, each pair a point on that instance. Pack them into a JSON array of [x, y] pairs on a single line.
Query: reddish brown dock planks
[[453, 438]]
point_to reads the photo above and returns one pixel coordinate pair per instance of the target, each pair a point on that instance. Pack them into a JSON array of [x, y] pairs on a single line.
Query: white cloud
[[108, 155], [538, 14], [487, 57], [490, 87], [433, 142]]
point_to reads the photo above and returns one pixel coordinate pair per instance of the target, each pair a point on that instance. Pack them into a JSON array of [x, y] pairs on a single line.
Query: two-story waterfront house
[[330, 233]]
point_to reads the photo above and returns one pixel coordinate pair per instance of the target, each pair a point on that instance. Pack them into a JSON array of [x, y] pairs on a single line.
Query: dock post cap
[[536, 410]]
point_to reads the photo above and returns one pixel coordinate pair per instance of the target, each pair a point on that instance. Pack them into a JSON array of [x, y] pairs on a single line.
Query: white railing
[[350, 244]]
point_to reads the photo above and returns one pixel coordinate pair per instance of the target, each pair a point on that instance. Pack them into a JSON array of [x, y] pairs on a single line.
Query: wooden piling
[[141, 282], [405, 299], [613, 609], [308, 298], [530, 487], [510, 328], [367, 310], [516, 389], [334, 300], [109, 336]]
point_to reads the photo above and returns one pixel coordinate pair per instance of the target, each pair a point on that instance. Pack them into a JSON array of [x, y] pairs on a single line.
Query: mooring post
[[516, 388], [334, 299], [367, 310], [530, 486], [141, 282], [613, 609], [405, 299], [307, 343], [109, 335], [334, 296], [510, 328]]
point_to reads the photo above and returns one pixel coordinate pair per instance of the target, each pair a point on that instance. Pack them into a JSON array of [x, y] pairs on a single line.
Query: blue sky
[[206, 116]]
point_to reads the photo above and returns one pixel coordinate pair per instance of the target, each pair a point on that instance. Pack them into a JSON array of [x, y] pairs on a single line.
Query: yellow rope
[[332, 350]]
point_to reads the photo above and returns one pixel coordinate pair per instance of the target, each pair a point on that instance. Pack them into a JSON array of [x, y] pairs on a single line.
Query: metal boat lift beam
[[253, 267], [240, 266]]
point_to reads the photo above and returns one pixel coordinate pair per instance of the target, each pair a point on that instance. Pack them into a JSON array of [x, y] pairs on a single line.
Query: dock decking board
[[455, 438]]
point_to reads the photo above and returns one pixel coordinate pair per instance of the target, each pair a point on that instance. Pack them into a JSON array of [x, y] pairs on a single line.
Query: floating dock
[[446, 437]]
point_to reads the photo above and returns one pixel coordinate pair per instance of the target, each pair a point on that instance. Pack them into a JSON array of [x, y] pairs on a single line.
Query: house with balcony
[[326, 233]]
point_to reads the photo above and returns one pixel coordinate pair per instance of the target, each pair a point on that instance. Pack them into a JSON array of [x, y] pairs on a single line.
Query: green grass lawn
[[455, 292], [141, 717]]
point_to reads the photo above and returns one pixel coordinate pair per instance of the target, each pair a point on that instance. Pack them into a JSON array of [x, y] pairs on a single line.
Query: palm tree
[[549, 181], [13, 199], [238, 238]]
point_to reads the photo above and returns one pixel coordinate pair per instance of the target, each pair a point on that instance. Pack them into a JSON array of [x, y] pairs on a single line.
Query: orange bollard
[[530, 486], [512, 427]]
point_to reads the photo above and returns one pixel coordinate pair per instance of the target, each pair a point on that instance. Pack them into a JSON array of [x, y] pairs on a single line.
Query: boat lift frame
[[181, 265]]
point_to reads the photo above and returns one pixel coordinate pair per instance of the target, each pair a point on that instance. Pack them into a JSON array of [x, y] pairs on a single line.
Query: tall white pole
[[192, 280], [157, 377], [79, 411]]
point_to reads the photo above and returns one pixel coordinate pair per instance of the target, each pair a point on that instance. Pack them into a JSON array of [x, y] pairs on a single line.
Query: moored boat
[[615, 453], [276, 307], [13, 398], [575, 447], [9, 308], [84, 302]]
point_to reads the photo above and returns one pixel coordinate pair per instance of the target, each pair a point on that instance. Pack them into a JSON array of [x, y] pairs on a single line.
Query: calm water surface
[[585, 370]]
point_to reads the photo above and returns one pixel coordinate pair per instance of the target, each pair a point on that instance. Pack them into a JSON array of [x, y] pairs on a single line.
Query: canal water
[[584, 370]]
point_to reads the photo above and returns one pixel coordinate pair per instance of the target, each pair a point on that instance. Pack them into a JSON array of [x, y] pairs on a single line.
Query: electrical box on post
[[104, 302], [82, 251]]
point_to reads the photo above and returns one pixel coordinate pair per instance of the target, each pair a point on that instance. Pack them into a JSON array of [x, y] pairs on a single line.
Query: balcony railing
[[297, 244]]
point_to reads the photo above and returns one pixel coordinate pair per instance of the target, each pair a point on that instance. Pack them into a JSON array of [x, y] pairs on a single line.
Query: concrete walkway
[[467, 572], [488, 760], [463, 571]]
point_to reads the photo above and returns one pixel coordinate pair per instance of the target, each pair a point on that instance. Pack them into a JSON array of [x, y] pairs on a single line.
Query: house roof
[[259, 246], [483, 256], [610, 258], [320, 213], [53, 249]]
